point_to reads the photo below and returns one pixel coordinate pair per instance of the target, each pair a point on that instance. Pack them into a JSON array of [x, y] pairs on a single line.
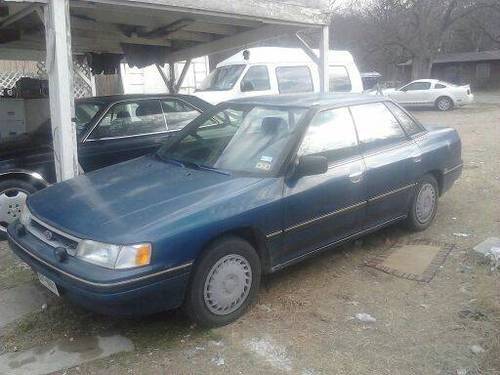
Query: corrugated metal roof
[[467, 57]]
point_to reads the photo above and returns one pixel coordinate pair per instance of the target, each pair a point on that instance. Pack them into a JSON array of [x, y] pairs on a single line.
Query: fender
[[22, 172]]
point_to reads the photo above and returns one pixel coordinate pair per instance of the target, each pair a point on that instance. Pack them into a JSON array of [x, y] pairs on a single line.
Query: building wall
[[480, 75]]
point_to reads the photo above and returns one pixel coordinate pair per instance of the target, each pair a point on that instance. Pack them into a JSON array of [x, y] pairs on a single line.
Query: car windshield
[[244, 139], [85, 113], [222, 78]]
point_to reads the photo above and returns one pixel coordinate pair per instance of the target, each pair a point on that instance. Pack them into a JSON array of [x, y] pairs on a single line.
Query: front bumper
[[128, 294]]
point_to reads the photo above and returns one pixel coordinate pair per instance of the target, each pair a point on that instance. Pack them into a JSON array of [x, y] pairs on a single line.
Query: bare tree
[[414, 29]]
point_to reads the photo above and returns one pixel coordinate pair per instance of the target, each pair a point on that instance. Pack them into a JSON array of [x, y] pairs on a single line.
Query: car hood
[[129, 202]]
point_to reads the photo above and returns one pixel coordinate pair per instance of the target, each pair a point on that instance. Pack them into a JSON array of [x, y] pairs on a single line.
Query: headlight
[[114, 256], [25, 217]]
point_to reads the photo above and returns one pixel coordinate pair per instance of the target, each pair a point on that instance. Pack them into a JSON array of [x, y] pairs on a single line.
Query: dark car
[[249, 188], [109, 130]]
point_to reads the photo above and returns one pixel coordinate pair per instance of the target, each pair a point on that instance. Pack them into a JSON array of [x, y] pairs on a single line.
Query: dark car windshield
[[245, 139], [222, 78]]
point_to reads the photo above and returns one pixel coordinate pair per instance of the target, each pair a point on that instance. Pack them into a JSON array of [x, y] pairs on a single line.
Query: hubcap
[[444, 104], [228, 284], [426, 200], [12, 202]]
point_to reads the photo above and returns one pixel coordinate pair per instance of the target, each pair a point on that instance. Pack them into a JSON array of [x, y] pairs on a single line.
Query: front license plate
[[48, 283]]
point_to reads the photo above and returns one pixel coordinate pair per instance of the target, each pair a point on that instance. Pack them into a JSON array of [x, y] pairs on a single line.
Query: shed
[[480, 69]]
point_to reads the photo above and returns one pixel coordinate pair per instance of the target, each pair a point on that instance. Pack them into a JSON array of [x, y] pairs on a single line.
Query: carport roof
[[185, 28]]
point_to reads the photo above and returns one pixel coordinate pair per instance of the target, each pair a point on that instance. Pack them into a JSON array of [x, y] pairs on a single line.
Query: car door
[[392, 161], [128, 130], [323, 209], [415, 93]]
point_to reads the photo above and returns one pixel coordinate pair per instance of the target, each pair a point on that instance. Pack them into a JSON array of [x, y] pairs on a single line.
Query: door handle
[[356, 177]]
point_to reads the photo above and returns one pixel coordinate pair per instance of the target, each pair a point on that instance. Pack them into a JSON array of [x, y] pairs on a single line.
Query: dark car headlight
[[114, 256]]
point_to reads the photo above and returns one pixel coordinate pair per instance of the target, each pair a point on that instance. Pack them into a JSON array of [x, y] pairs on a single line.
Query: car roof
[[283, 55], [309, 100], [117, 98]]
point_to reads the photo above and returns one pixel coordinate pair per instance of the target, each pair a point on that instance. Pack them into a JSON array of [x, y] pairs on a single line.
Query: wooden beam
[[245, 38], [307, 49], [180, 81], [26, 11], [59, 66]]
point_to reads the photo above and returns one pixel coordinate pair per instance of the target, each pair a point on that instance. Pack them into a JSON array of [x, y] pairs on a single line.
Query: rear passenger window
[[439, 86], [339, 79], [376, 126], [331, 134], [256, 79], [408, 124], [294, 79]]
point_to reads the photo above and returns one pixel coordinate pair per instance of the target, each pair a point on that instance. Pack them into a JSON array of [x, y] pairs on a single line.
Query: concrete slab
[[484, 247], [19, 301], [57, 357], [412, 258]]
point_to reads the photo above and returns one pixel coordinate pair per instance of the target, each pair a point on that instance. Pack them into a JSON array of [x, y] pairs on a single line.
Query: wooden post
[[324, 49], [59, 64]]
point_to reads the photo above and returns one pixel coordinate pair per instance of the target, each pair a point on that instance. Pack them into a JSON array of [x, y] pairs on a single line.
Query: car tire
[[444, 103], [424, 204], [13, 194], [224, 283]]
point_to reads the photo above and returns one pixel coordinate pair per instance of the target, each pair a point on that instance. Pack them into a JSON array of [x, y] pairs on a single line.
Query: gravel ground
[[303, 322]]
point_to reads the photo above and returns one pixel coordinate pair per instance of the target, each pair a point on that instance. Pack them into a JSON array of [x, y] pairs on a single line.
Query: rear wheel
[[444, 104], [13, 194], [424, 205], [225, 283]]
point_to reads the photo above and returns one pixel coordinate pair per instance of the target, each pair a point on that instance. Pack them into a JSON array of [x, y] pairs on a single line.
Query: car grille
[[52, 237]]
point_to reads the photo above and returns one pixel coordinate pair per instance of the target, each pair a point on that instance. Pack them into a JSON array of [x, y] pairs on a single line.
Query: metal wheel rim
[[426, 201], [444, 104], [228, 284], [12, 202]]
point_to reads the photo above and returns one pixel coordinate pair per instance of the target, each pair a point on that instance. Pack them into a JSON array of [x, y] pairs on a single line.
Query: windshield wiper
[[194, 165]]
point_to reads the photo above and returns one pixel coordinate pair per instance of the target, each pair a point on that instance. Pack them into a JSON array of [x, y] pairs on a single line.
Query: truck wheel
[[13, 194], [444, 104], [224, 284], [424, 204]]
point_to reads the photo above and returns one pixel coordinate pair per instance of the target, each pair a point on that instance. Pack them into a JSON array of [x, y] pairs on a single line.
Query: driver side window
[[417, 86], [256, 79], [331, 134], [131, 119]]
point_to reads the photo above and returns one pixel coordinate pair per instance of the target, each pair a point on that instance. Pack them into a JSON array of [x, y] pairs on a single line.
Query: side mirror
[[311, 165], [247, 86]]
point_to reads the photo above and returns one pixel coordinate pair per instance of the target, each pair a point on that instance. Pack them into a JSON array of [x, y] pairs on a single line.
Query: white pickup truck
[[431, 92]]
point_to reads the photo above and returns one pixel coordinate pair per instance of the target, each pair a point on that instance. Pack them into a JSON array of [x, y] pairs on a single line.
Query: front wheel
[[424, 204], [13, 194], [225, 283]]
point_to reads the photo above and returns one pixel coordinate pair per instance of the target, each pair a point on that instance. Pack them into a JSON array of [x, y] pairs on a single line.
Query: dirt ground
[[304, 320]]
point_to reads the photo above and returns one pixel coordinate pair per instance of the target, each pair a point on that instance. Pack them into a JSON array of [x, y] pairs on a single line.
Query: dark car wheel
[[225, 283], [13, 194], [424, 205], [444, 104]]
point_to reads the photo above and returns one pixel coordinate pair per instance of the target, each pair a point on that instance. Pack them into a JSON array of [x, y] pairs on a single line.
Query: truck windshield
[[244, 139], [222, 78]]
